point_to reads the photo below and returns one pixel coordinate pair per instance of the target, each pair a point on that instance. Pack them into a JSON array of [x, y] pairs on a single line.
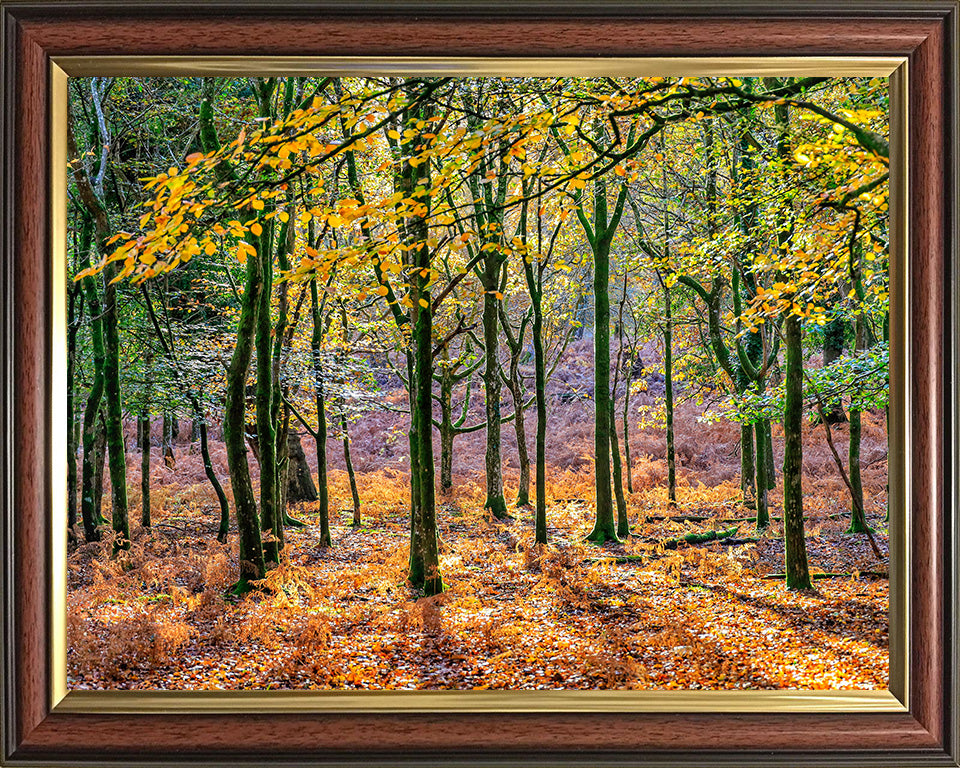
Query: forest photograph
[[461, 383]]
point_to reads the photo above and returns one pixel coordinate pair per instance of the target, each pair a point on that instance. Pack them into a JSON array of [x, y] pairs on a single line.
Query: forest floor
[[514, 615]]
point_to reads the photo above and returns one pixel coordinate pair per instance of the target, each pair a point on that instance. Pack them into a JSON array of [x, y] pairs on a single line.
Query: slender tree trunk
[[89, 498], [858, 519], [491, 382], [603, 529], [447, 432], [747, 466], [416, 568], [415, 180], [432, 582], [351, 475], [201, 422], [797, 572], [74, 306], [668, 395], [834, 332], [768, 446], [252, 565], [144, 424], [540, 382], [283, 467], [111, 386], [299, 480], [623, 524], [523, 455], [763, 513], [100, 466], [167, 438], [323, 489], [626, 423], [271, 521]]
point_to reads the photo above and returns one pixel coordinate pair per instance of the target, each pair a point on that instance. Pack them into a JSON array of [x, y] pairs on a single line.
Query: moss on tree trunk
[[798, 575]]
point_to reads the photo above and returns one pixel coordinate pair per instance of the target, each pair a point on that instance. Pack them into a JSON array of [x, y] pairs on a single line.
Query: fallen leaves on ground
[[515, 615]]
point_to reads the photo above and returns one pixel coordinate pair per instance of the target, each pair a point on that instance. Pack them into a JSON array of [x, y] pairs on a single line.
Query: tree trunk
[[252, 565], [858, 519], [626, 423], [323, 491], [432, 582], [201, 423], [111, 386], [166, 441], [89, 496], [668, 395], [100, 466], [540, 377], [283, 463], [768, 446], [447, 432], [143, 422], [523, 455], [271, 521], [351, 475], [491, 382], [300, 486], [798, 576], [414, 180], [603, 529], [75, 298], [834, 332], [623, 524], [167, 437], [763, 512]]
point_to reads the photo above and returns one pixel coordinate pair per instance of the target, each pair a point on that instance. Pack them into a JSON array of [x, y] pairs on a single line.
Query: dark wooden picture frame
[[34, 34]]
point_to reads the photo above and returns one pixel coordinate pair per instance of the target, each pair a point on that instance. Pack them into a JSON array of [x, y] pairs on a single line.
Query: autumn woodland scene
[[383, 382]]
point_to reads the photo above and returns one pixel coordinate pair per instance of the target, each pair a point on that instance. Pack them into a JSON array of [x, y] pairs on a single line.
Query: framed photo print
[[440, 384]]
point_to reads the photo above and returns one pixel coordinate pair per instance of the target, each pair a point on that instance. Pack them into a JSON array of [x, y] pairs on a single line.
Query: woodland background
[[466, 383]]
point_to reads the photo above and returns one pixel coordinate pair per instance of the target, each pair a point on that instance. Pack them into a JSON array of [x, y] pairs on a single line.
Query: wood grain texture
[[929, 350], [426, 36], [30, 391], [285, 736], [39, 737]]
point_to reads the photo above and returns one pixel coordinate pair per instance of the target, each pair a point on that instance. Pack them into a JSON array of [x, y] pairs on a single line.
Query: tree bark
[[495, 501], [415, 181], [763, 512], [668, 394], [271, 521], [834, 332], [300, 485], [143, 422], [858, 519], [74, 309], [323, 490], [623, 524], [89, 499], [351, 475], [798, 575], [603, 529], [447, 432], [252, 565], [523, 455], [100, 466], [111, 386], [626, 422]]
